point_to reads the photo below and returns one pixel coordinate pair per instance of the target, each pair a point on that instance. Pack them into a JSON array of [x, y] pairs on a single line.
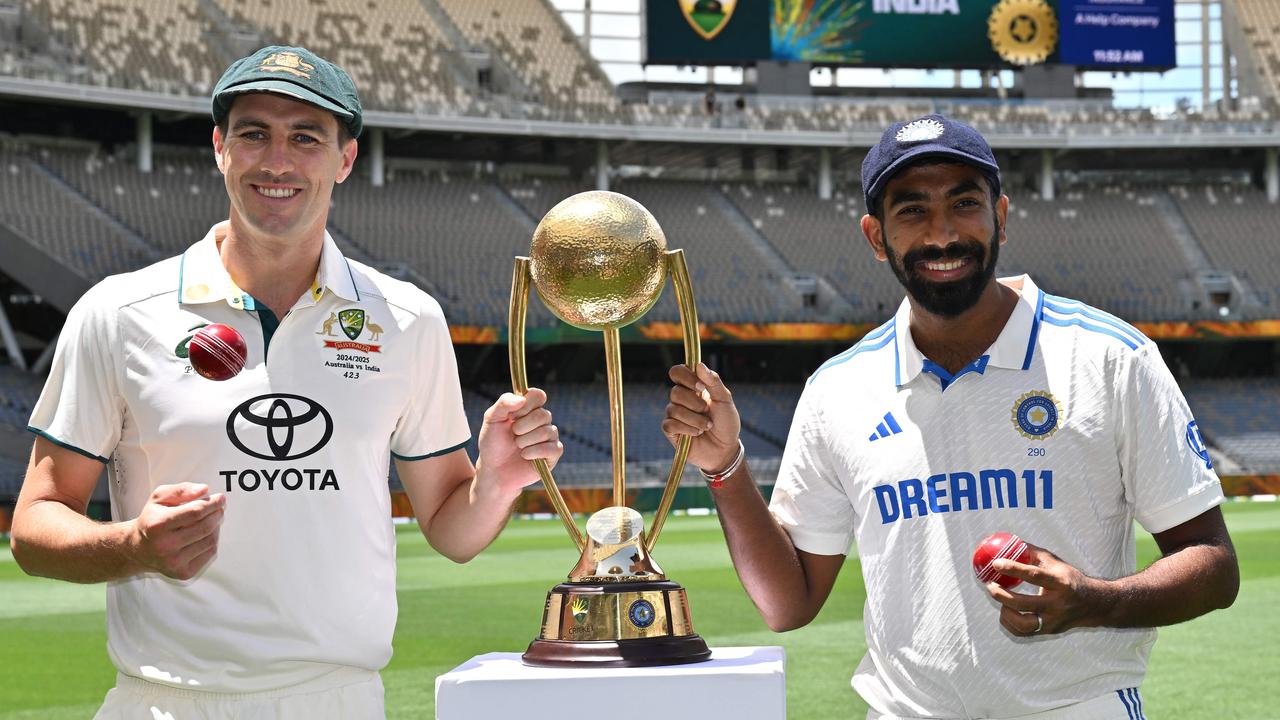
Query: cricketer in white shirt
[[303, 583], [985, 405], [1065, 432]]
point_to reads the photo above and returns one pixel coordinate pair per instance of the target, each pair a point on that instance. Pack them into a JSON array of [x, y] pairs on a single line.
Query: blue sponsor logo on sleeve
[[1195, 441]]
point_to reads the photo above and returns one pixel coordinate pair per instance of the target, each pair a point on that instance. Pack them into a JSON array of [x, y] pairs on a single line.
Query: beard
[[946, 299]]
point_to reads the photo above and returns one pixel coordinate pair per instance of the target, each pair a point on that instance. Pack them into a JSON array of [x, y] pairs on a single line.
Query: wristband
[[716, 480]]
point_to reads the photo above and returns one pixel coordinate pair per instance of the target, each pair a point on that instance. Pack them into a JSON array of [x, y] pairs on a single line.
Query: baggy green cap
[[297, 73]]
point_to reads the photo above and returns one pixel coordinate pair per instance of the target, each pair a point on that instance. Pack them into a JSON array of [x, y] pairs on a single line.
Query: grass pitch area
[[53, 661]]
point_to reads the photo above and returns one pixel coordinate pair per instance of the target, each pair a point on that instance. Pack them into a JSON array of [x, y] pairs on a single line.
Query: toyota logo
[[278, 421]]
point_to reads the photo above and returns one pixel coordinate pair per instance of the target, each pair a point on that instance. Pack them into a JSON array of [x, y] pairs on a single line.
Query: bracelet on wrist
[[716, 480]]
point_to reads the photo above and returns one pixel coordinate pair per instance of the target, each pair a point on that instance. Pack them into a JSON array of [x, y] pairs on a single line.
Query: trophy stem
[[520, 385], [679, 272], [617, 430]]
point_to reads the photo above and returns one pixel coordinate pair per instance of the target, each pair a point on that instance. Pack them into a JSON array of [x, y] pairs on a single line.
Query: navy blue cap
[[929, 136]]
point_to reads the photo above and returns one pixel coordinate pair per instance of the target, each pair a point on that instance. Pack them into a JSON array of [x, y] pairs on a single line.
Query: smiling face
[[940, 232], [280, 159]]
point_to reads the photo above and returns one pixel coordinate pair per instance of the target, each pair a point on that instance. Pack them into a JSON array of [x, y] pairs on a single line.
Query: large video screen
[[1096, 34]]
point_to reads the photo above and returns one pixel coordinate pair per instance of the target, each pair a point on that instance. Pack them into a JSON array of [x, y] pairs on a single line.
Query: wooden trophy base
[[626, 624]]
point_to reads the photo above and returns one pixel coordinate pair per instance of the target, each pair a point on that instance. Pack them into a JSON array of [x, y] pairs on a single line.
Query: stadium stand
[[531, 38], [11, 475], [456, 231], [1259, 23], [19, 391], [69, 197], [395, 51], [582, 414], [1239, 229], [731, 281], [822, 237], [1240, 418], [1104, 246], [137, 44], [18, 394], [171, 207], [41, 208]]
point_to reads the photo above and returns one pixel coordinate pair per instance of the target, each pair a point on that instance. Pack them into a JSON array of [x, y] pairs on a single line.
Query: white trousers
[[345, 694], [1116, 705]]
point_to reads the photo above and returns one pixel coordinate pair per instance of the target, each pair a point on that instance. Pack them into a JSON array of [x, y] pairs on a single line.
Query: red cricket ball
[[217, 352], [999, 545]]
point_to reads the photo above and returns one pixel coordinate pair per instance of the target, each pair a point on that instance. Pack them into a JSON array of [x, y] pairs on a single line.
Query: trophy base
[[644, 652], [625, 624]]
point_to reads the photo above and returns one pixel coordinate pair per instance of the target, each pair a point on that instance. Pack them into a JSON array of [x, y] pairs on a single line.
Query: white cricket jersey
[[1068, 429], [304, 579]]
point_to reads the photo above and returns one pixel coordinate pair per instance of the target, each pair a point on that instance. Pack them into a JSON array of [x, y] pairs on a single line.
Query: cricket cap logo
[[287, 62], [352, 323], [707, 17]]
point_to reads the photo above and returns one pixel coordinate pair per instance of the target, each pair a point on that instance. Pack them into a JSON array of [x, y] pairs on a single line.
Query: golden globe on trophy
[[599, 261]]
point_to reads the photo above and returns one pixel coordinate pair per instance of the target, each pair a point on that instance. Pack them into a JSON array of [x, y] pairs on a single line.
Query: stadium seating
[[456, 231], [137, 44], [537, 45], [1239, 230], [395, 51], [1107, 244], [581, 411], [1104, 246], [441, 57], [730, 279], [11, 475], [1259, 21], [171, 207], [1240, 417], [18, 394], [822, 237], [37, 205]]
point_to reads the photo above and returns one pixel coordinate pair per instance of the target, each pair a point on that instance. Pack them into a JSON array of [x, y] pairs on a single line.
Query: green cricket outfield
[[53, 660]]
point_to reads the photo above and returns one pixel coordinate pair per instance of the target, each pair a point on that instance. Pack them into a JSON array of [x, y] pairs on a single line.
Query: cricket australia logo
[[356, 340], [353, 323], [287, 62], [707, 17]]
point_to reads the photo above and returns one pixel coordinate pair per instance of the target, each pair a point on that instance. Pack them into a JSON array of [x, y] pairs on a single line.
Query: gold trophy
[[599, 261]]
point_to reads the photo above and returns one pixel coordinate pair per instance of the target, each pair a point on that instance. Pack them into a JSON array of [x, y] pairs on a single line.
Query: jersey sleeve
[[1167, 474], [434, 422], [808, 499], [82, 407]]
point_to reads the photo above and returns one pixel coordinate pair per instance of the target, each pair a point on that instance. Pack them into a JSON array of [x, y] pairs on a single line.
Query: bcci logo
[[1023, 32], [920, 131], [1036, 415], [279, 426], [641, 613], [707, 17]]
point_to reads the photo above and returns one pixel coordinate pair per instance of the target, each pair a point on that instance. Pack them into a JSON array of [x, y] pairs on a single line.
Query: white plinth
[[743, 683]]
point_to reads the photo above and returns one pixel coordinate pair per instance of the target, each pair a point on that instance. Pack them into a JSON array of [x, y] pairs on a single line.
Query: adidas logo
[[886, 428]]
